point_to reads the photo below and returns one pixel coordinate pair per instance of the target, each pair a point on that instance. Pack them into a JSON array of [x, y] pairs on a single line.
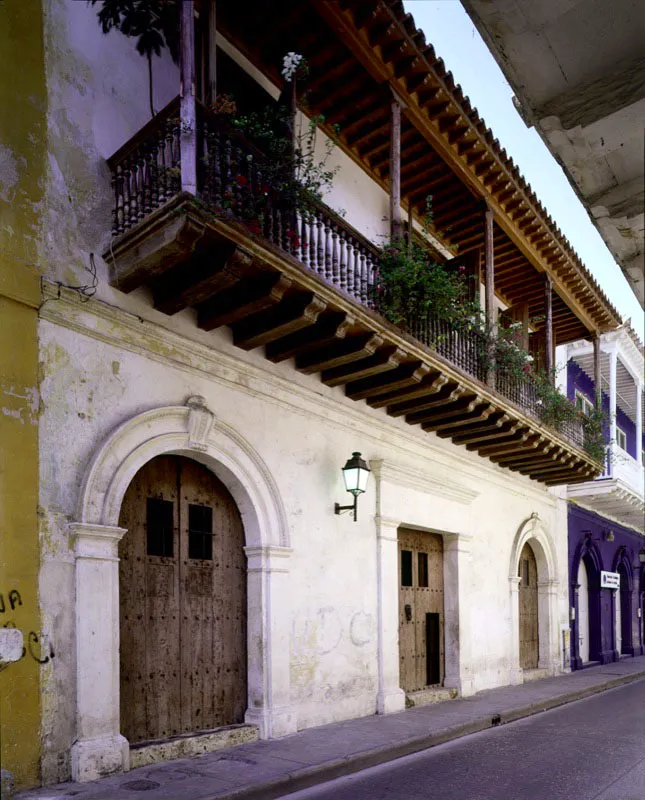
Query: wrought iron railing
[[235, 181]]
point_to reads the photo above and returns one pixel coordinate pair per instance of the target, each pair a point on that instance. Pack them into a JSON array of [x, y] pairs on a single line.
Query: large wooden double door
[[182, 581], [528, 599], [421, 612]]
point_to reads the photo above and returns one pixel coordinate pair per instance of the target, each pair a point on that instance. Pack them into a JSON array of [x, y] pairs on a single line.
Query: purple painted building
[[606, 516]]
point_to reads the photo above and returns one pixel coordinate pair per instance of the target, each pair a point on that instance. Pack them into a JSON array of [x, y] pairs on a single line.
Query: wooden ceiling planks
[[386, 50]]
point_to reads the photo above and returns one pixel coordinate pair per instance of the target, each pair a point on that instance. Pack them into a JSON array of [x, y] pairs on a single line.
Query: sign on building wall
[[609, 580]]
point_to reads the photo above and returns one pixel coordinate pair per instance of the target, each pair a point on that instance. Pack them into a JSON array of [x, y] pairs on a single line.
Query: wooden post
[[188, 106], [212, 52], [491, 321], [548, 327], [395, 170], [597, 370]]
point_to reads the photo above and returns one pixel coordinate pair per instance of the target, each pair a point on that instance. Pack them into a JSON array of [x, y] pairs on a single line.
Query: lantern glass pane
[[351, 477], [363, 475]]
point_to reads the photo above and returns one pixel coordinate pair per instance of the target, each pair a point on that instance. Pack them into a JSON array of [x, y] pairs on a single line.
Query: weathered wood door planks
[[182, 603], [421, 613], [528, 600]]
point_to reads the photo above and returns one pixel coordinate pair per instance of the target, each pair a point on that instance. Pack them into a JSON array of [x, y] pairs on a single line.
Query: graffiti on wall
[[37, 645]]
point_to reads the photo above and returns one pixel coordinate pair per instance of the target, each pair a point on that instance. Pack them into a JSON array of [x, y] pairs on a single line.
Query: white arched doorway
[[192, 431], [583, 612], [533, 533]]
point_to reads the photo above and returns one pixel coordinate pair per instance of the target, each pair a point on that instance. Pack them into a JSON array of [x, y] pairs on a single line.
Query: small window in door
[[406, 567], [200, 532], [159, 527], [423, 570]]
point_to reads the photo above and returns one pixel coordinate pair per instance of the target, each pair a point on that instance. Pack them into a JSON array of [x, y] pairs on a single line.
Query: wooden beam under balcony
[[312, 303]]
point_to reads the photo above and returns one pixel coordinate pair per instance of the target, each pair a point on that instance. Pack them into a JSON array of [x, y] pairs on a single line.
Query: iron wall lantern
[[355, 474]]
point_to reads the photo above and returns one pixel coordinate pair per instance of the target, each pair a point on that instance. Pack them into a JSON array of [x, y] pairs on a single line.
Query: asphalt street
[[593, 749]]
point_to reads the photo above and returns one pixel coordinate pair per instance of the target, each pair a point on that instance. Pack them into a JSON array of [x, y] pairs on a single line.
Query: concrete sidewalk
[[272, 769]]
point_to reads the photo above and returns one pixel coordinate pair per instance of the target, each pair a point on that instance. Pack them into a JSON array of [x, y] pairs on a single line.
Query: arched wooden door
[[529, 645], [583, 612], [182, 584]]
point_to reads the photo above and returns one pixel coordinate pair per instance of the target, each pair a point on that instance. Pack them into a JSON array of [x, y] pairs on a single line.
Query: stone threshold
[[191, 744]]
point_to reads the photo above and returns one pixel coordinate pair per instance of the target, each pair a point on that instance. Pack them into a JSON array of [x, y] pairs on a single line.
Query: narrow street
[[593, 749]]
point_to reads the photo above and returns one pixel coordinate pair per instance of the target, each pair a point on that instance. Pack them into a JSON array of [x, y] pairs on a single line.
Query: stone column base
[[96, 758], [390, 702], [273, 722]]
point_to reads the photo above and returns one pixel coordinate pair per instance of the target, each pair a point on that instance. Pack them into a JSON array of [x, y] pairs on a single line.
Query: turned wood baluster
[[327, 249], [163, 168], [365, 271], [237, 173], [216, 169], [335, 273], [313, 240], [227, 191], [116, 228], [127, 192], [146, 168], [154, 176], [137, 170], [268, 219], [320, 245], [343, 260], [357, 272]]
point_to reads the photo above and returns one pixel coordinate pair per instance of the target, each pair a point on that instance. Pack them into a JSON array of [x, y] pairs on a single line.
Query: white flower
[[290, 65], [530, 358], [538, 402]]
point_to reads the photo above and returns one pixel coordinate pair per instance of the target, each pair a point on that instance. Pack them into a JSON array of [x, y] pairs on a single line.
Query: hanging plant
[[154, 23]]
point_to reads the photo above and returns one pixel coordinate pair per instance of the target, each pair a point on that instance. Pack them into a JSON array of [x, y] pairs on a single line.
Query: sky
[[455, 39]]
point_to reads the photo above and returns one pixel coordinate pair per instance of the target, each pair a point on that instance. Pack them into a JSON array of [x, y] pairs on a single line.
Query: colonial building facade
[[205, 374], [606, 515]]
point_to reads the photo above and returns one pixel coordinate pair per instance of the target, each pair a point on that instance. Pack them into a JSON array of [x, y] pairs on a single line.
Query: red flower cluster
[[242, 180]]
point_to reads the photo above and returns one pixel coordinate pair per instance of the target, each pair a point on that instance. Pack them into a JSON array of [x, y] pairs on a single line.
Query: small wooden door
[[529, 646], [421, 629], [182, 580]]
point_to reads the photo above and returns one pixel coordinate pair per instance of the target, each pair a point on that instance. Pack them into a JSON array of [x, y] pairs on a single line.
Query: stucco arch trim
[[194, 431], [533, 532]]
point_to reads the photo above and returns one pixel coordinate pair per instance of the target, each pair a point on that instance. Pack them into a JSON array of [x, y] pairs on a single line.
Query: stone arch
[[193, 431], [622, 599], [533, 532], [587, 550]]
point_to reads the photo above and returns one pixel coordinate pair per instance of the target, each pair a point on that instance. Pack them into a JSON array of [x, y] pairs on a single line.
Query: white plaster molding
[[421, 481], [119, 328], [200, 422], [168, 430]]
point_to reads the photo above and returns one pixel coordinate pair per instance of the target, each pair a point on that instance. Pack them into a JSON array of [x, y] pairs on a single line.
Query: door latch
[[408, 612]]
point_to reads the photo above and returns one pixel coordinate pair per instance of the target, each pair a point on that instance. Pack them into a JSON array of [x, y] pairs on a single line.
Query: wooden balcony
[[296, 279]]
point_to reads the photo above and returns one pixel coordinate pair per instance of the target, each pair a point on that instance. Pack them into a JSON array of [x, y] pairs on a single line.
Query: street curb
[[338, 768]]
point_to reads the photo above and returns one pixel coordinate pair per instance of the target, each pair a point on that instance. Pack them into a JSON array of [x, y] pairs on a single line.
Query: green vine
[[410, 284]]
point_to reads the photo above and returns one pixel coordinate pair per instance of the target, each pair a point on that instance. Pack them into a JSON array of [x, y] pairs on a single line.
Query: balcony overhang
[[316, 313], [613, 498]]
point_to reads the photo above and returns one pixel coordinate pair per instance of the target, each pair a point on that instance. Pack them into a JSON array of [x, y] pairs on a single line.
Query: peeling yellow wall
[[22, 159]]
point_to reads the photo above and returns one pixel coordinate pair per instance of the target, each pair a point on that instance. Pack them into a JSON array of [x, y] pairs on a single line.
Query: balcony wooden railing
[[234, 184]]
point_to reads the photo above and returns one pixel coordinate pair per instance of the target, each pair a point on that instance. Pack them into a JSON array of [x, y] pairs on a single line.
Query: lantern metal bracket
[[338, 509]]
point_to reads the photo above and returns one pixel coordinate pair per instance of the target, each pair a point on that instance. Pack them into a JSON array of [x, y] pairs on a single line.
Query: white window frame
[[621, 433], [583, 403]]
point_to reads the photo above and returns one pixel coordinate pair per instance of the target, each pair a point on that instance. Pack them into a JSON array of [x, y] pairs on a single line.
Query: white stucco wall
[[107, 360], [101, 367]]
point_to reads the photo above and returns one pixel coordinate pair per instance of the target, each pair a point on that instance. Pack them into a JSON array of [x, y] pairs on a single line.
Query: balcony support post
[[597, 371], [212, 52], [613, 365], [395, 169], [639, 425], [188, 106], [491, 321], [548, 327]]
